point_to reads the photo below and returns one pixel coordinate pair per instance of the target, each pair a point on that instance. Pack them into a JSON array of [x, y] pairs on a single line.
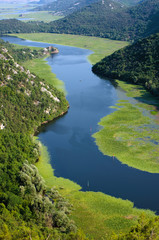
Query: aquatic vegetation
[[130, 133]]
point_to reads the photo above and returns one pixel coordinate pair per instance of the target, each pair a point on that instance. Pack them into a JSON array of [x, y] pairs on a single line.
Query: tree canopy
[[137, 63]]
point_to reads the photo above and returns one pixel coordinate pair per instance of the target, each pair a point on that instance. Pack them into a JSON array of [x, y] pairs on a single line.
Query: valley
[[70, 190], [79, 120]]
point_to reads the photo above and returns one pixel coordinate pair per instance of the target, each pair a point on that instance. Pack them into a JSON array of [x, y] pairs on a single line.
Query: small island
[[51, 50]]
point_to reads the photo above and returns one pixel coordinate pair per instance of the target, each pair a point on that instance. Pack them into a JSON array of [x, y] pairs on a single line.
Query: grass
[[97, 214], [46, 171], [100, 46], [131, 131], [42, 69], [44, 16]]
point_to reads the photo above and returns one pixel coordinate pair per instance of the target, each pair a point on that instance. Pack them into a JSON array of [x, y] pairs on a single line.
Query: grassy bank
[[42, 69], [100, 46], [132, 131], [47, 172], [97, 214]]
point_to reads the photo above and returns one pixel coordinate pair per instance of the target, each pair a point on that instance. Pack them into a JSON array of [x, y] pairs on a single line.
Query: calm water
[[73, 152]]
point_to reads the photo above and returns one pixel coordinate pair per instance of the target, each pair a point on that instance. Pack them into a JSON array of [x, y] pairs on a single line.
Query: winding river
[[74, 154]]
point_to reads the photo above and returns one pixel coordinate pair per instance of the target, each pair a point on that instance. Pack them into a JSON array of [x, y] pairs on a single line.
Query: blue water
[[74, 154]]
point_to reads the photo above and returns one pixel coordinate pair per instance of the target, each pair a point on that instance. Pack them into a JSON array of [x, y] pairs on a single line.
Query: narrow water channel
[[74, 154]]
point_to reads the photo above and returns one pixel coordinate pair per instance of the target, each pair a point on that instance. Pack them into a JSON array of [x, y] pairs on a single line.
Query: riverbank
[[97, 214], [101, 47], [129, 139], [40, 67]]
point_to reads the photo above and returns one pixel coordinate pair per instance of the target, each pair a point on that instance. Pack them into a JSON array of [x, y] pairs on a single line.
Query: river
[[74, 154]]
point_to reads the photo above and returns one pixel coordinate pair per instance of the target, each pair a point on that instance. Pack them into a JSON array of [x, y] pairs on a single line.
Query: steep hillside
[[111, 20], [27, 209], [65, 7], [137, 64], [14, 25], [44, 102]]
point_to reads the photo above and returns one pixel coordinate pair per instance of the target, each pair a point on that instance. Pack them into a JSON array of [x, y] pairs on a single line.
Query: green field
[[100, 46], [97, 214], [132, 131], [44, 16]]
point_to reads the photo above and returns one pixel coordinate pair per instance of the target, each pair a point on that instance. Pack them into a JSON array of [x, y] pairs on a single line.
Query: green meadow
[[131, 132], [101, 47], [44, 16], [100, 216]]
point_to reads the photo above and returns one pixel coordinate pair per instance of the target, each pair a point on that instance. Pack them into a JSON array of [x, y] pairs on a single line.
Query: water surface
[[74, 154]]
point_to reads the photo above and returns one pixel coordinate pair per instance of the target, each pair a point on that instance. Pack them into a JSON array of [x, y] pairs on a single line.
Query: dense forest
[[8, 26], [108, 20], [137, 63], [112, 20], [28, 210]]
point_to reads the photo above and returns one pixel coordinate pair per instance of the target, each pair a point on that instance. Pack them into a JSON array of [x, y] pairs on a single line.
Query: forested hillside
[[14, 25], [109, 20], [65, 7], [138, 63], [28, 210]]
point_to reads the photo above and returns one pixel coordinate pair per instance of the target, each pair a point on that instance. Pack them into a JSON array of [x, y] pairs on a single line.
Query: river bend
[[74, 154]]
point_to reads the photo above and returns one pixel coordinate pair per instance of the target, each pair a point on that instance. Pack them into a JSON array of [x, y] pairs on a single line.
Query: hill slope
[[108, 20], [111, 20], [27, 208], [137, 64], [65, 7]]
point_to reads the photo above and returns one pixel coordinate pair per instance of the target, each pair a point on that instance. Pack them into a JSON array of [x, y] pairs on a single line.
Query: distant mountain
[[64, 7], [112, 20], [138, 63], [109, 20], [128, 2], [45, 1]]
